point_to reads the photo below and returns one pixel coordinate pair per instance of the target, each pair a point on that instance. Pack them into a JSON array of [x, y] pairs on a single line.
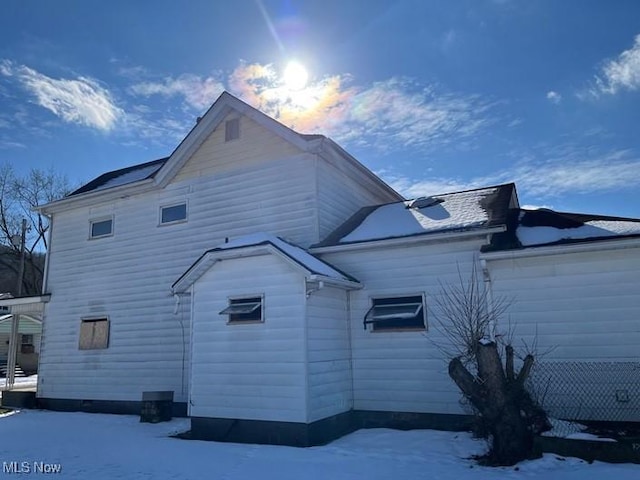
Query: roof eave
[[414, 239], [330, 147], [209, 258], [92, 197], [558, 249]]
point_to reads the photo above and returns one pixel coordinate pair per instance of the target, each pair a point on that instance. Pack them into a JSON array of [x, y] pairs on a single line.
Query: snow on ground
[[112, 447]]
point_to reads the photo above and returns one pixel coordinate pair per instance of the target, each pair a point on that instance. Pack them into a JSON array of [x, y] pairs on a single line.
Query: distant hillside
[[9, 266]]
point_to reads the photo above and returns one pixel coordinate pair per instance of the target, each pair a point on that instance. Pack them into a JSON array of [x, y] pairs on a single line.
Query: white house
[[283, 292]]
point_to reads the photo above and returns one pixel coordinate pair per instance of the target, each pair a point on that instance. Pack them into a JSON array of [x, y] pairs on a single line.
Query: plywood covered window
[[94, 333], [396, 313], [244, 310]]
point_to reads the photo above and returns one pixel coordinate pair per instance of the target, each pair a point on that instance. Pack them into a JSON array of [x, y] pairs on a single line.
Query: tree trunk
[[507, 410]]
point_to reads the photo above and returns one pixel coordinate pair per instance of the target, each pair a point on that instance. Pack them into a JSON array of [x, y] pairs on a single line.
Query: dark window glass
[[101, 228], [174, 213], [396, 313]]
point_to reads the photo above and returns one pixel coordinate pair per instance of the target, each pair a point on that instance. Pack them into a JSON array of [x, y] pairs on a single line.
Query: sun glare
[[295, 76]]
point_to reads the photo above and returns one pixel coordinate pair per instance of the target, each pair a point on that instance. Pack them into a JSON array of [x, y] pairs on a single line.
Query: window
[[94, 334], [173, 213], [101, 228], [232, 129], [26, 343], [241, 310], [396, 313]]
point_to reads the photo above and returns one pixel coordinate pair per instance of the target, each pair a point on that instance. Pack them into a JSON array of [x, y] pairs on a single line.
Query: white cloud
[[623, 73], [387, 114], [396, 112], [554, 97], [197, 91], [81, 100], [539, 179]]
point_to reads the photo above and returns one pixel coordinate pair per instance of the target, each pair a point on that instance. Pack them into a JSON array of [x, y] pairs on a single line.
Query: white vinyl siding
[[402, 371], [329, 354], [582, 306], [257, 370]]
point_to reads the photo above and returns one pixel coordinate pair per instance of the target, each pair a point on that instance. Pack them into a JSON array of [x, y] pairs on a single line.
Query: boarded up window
[[94, 334], [232, 129]]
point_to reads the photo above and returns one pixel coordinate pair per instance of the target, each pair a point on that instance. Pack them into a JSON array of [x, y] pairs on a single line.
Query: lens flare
[[295, 76]]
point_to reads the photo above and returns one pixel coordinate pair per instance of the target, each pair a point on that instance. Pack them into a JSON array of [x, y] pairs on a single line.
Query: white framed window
[[94, 333], [245, 310], [231, 129], [175, 213], [101, 227], [397, 313]]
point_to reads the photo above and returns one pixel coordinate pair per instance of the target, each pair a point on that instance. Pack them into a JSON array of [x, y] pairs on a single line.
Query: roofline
[[559, 249], [82, 199], [413, 239], [327, 144], [596, 216], [9, 302], [262, 248]]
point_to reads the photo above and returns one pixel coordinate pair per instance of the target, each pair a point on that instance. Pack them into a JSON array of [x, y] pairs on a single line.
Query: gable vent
[[232, 129], [424, 202]]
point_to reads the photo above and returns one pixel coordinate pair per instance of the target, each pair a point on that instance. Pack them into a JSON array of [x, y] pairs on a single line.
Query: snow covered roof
[[122, 176], [533, 228], [299, 256], [460, 211]]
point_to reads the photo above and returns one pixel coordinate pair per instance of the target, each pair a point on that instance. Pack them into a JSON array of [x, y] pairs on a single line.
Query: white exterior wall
[[253, 371], [582, 310], [402, 371], [583, 306], [342, 191], [128, 276], [330, 383]]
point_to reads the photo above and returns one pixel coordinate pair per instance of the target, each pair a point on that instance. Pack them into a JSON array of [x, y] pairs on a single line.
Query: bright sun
[[295, 76]]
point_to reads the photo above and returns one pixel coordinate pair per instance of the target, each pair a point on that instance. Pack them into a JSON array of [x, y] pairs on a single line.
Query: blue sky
[[432, 96]]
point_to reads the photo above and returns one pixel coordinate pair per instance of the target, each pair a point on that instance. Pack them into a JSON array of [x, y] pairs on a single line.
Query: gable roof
[[544, 227], [260, 244], [469, 210], [159, 173]]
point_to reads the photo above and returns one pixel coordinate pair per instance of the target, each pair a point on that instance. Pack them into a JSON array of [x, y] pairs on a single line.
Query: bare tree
[[468, 318], [19, 195]]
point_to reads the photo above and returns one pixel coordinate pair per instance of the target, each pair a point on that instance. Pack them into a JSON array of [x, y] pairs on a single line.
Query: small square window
[[232, 129], [173, 213], [94, 334], [396, 313], [242, 310], [101, 228], [26, 343]]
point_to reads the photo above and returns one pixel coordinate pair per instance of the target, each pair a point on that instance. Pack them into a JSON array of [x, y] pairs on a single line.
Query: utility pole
[[15, 324]]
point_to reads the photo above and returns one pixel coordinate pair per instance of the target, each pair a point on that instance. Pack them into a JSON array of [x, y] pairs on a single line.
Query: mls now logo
[[31, 467]]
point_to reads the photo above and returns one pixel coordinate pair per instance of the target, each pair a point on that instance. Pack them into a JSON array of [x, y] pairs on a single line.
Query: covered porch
[[20, 339]]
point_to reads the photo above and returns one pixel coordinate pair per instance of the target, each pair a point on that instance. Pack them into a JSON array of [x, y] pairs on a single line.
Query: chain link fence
[[588, 391]]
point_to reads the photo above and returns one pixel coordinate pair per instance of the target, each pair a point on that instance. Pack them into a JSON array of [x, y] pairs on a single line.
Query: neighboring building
[[283, 292]]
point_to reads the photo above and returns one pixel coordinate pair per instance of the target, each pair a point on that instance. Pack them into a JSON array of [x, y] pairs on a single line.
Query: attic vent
[[232, 129], [424, 202]]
